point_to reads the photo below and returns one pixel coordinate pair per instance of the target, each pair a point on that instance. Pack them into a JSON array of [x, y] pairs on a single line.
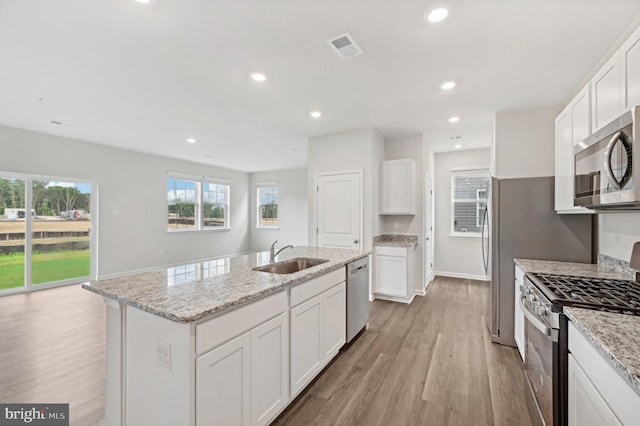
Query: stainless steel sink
[[290, 266]]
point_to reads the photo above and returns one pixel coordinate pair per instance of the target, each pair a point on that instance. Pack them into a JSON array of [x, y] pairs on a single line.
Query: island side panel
[[157, 393], [114, 395]]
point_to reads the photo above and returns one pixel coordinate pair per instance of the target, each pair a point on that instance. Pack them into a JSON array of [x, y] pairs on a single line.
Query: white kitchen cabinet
[[398, 187], [223, 384], [605, 94], [334, 320], [630, 63], [269, 369], [306, 347], [518, 323], [572, 127], [245, 381], [597, 394], [394, 273], [318, 327], [586, 406]]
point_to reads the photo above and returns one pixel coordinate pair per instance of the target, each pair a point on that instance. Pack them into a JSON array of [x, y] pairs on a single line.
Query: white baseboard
[[463, 276], [395, 298]]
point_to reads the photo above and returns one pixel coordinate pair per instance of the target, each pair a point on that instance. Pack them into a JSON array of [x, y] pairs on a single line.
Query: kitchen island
[[217, 342]]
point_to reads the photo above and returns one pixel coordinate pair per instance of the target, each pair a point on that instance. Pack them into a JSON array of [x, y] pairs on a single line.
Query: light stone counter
[[396, 240], [615, 336], [569, 268], [200, 290]]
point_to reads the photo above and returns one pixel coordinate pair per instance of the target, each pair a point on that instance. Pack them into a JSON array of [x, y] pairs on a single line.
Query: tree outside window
[[267, 202], [197, 203]]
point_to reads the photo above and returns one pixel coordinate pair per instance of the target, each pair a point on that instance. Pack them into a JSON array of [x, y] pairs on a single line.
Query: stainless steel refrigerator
[[522, 223]]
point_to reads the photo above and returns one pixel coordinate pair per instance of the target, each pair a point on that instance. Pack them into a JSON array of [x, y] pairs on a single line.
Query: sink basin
[[290, 266]]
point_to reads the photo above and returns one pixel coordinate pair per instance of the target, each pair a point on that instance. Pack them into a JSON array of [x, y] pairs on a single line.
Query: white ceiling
[[146, 77]]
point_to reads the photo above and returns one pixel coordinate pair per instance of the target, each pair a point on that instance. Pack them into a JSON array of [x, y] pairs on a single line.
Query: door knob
[[356, 241]]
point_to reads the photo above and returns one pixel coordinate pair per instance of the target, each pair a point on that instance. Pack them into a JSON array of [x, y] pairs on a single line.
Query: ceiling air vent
[[345, 46]]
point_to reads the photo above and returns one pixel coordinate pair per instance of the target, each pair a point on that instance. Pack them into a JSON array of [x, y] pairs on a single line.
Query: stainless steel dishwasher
[[357, 296]]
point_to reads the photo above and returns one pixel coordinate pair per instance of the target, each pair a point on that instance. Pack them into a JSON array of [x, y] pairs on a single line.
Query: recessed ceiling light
[[458, 146], [437, 15], [142, 1], [454, 119], [315, 114], [191, 140], [258, 76], [448, 85]]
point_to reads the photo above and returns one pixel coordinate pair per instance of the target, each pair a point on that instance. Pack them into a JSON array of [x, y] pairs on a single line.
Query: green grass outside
[[46, 267]]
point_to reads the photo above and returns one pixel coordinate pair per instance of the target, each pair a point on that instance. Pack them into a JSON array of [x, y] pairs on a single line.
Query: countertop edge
[[229, 306], [602, 349]]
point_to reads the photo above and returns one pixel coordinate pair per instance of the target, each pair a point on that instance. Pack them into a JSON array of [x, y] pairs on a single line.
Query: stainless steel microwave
[[605, 176]]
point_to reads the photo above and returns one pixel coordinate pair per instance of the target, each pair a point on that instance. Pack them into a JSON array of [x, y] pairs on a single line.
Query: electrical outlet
[[162, 354]]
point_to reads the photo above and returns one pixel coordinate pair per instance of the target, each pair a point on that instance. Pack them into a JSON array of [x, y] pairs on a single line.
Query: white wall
[[292, 209], [409, 147], [455, 256], [524, 142], [617, 233], [134, 184], [351, 150]]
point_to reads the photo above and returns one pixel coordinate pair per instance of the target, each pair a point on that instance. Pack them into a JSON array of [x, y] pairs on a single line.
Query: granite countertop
[[615, 336], [191, 292], [395, 240], [569, 268]]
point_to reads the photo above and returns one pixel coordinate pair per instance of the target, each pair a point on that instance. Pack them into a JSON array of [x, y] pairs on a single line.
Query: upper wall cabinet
[[398, 187], [572, 126], [630, 63], [605, 94]]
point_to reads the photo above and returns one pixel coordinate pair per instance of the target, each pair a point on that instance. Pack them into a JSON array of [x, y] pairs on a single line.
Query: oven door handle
[[541, 326]]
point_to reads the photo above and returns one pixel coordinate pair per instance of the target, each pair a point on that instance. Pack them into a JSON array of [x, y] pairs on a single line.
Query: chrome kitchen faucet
[[273, 253]]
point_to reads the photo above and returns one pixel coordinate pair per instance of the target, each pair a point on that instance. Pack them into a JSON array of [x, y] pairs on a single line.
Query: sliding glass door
[[45, 236]]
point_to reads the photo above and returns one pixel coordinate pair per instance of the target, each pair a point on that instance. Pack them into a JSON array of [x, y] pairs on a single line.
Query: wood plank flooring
[[429, 363], [52, 350]]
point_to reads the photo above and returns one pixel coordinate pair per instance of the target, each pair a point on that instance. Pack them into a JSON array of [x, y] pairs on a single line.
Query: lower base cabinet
[[586, 406], [318, 328], [245, 381], [394, 273]]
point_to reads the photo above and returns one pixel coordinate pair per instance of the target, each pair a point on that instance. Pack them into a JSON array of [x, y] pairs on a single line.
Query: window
[[267, 205], [197, 203], [52, 245], [469, 196]]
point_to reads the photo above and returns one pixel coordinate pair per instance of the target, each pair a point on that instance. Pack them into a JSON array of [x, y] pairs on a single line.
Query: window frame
[[476, 171], [199, 219], [259, 186]]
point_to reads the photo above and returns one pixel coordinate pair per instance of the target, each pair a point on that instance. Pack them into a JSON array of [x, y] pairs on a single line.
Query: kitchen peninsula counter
[[199, 290]]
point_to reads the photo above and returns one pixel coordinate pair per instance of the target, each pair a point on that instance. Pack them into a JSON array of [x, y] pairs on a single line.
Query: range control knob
[[531, 297], [540, 309]]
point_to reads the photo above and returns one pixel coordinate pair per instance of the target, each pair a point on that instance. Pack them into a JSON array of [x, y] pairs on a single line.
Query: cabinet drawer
[[315, 286], [391, 251], [220, 329]]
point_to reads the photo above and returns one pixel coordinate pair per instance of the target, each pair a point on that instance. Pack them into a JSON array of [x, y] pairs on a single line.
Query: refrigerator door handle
[[485, 257]]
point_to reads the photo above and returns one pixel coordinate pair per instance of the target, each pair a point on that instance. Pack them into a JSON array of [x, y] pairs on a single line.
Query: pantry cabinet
[[397, 187]]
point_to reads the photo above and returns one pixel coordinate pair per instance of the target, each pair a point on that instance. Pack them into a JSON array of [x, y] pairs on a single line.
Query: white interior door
[[428, 231], [339, 204]]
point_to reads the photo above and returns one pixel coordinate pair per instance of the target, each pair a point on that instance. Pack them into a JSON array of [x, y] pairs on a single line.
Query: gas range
[[613, 295], [544, 297]]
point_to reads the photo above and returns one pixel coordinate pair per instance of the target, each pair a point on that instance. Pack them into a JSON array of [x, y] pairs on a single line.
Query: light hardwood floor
[[429, 363], [52, 350]]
